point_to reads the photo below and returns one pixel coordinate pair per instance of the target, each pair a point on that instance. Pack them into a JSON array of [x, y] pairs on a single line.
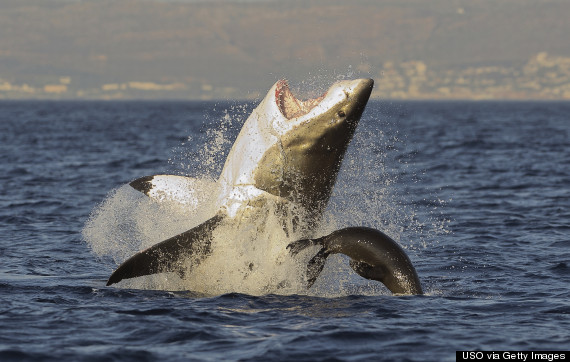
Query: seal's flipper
[[181, 189], [315, 266], [166, 255], [367, 271], [317, 263], [300, 245]]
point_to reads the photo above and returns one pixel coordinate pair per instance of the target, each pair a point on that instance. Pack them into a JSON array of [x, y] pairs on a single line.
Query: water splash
[[127, 221]]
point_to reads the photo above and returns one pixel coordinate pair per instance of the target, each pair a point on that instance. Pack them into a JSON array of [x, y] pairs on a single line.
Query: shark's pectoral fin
[[180, 189], [143, 184], [168, 255]]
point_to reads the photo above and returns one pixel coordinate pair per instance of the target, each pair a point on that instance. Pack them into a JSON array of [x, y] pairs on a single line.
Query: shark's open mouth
[[289, 105]]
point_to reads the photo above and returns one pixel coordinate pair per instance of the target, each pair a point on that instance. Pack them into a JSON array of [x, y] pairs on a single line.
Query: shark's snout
[[357, 92], [363, 89]]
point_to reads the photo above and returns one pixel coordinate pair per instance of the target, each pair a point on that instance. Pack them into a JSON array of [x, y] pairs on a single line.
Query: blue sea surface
[[477, 192]]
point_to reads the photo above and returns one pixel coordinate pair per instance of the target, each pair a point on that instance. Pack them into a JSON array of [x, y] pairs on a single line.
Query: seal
[[287, 154], [374, 255]]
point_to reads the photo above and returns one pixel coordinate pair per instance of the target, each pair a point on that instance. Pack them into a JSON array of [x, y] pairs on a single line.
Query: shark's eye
[[341, 113]]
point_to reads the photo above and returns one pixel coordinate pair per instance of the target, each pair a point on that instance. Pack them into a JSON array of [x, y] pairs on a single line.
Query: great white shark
[[286, 158]]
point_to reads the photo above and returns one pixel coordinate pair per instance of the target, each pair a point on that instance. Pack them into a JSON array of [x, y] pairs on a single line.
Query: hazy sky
[[236, 47]]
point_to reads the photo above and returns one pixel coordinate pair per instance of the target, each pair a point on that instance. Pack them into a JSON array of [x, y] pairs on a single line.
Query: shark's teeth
[[289, 105]]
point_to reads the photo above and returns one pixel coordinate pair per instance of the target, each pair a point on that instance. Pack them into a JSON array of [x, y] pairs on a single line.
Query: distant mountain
[[135, 48]]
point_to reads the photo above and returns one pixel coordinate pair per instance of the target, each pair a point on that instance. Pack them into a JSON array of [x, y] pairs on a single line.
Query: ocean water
[[478, 193]]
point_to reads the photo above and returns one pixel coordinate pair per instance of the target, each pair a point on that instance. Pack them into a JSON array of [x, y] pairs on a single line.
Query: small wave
[[561, 268], [560, 310], [153, 311]]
